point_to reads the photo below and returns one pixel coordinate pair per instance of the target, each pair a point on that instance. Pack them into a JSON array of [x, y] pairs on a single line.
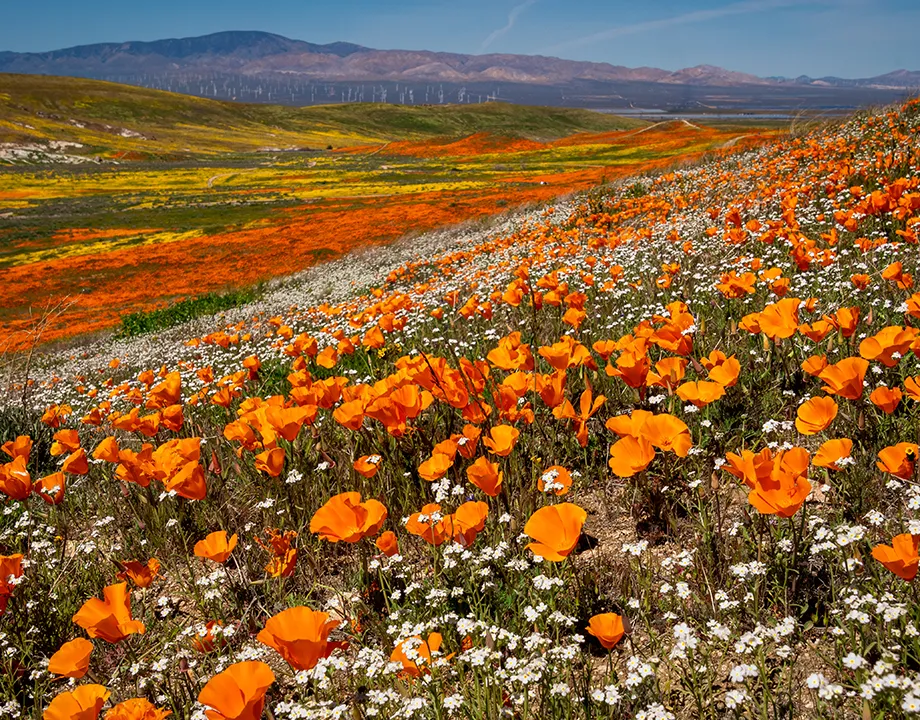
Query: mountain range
[[264, 67]]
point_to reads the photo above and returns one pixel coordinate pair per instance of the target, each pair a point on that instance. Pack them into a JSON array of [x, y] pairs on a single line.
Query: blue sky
[[848, 38]]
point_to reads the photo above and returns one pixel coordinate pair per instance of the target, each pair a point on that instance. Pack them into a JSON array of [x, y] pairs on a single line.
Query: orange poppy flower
[[238, 693], [486, 476], [344, 517], [109, 619], [898, 460], [216, 546], [912, 388], [607, 628], [15, 480], [350, 414], [137, 709], [466, 522], [815, 415], [751, 468], [781, 319], [886, 399], [367, 465], [501, 440], [784, 492], [208, 638], [701, 392], [726, 372], [847, 319], [65, 441], [630, 455], [667, 433], [462, 526], [10, 568], [387, 543], [72, 659], [555, 530], [467, 441], [271, 462], [300, 635], [51, 488], [632, 367], [567, 353], [888, 345], [76, 463], [901, 556], [435, 467], [141, 574], [20, 447], [588, 406], [511, 354], [167, 393], [845, 378], [422, 652], [82, 703], [831, 453], [555, 479], [815, 365]]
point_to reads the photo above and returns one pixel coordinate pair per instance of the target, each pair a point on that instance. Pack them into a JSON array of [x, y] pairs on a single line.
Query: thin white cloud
[[744, 7], [512, 18]]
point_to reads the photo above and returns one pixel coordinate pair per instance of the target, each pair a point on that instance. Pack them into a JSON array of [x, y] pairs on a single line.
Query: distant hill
[[267, 68], [109, 119]]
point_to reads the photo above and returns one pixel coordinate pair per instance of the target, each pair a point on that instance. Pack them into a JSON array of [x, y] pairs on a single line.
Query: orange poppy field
[[115, 240], [646, 452]]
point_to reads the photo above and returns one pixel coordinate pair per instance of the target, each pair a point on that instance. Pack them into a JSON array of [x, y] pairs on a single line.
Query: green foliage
[[135, 324]]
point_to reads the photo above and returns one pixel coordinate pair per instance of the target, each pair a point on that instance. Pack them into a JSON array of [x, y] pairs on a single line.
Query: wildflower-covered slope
[[649, 455]]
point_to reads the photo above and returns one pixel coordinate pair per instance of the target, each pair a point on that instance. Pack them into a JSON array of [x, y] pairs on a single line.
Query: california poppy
[[898, 460], [51, 488], [845, 378], [82, 703], [15, 480], [10, 569], [208, 638], [137, 709], [109, 619], [344, 517], [607, 628], [486, 476], [141, 574], [216, 546], [555, 530], [901, 556], [630, 455], [701, 392], [886, 399], [20, 447], [832, 452], [435, 467], [238, 693], [501, 439], [270, 462], [749, 467], [300, 635], [71, 659], [65, 441], [787, 487], [422, 652], [367, 465], [387, 543], [555, 479], [815, 415]]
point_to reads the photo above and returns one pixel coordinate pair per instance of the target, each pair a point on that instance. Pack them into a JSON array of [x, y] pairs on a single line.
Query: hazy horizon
[[843, 38]]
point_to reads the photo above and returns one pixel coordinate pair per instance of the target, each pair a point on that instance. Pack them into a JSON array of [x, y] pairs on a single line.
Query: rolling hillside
[[108, 119]]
